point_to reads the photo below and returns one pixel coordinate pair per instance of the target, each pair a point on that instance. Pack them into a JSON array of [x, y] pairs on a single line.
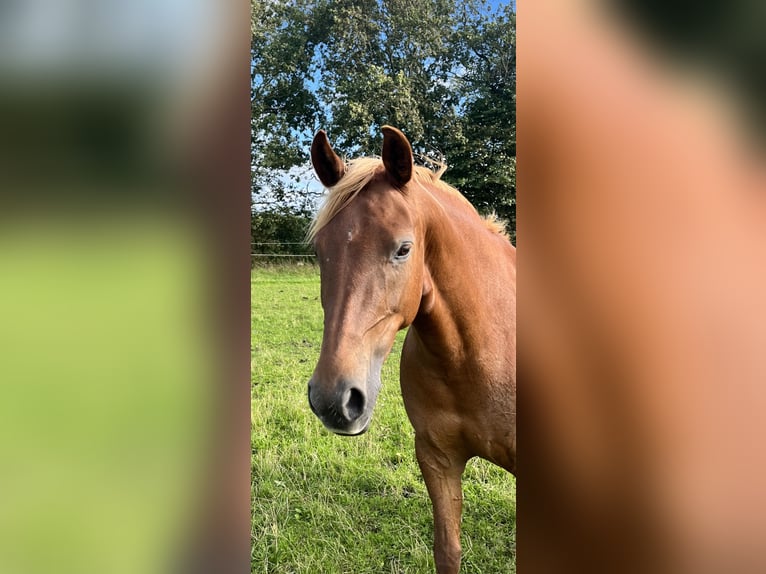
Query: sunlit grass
[[327, 504]]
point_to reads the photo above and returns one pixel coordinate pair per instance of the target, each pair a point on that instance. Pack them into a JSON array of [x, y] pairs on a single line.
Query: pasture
[[326, 504]]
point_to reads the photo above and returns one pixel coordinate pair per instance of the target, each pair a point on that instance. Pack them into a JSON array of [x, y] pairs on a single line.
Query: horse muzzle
[[345, 410]]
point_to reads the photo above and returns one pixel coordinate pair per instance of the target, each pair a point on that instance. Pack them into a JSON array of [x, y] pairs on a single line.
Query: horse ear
[[397, 155], [327, 165]]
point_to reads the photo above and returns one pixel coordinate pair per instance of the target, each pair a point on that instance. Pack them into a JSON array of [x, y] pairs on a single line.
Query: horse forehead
[[368, 214], [381, 204]]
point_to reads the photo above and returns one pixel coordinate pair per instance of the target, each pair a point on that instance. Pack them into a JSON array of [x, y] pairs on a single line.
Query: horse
[[398, 247]]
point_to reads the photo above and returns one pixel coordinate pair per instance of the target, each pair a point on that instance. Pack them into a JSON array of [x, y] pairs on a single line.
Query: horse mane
[[359, 173]]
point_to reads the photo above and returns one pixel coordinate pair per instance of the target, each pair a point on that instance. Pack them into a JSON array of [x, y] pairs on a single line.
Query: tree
[[441, 70], [482, 153]]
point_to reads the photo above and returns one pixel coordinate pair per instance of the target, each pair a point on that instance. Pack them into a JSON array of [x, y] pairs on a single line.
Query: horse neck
[[459, 258]]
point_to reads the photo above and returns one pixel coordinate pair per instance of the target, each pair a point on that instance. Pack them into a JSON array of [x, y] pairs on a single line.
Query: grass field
[[327, 504]]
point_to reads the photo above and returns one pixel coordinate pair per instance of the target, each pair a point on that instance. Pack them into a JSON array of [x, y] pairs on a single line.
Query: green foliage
[[483, 153], [282, 103], [279, 232], [325, 504], [441, 70]]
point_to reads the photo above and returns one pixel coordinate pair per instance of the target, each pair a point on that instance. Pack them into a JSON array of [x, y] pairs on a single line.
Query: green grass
[[325, 504]]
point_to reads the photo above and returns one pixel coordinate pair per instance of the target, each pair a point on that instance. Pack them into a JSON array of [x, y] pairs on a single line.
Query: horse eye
[[403, 251]]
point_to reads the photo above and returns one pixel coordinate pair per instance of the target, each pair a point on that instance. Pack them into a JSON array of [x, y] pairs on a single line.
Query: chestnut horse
[[399, 247]]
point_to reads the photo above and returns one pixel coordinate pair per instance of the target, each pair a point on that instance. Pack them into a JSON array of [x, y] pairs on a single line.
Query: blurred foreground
[[642, 316], [124, 335]]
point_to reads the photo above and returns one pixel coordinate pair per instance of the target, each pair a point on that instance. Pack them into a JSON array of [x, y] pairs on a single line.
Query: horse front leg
[[442, 472]]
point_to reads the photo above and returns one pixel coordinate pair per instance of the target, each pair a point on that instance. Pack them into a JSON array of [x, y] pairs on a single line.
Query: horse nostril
[[311, 405], [354, 405]]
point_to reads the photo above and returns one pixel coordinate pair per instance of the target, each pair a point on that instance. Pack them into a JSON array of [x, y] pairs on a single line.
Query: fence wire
[[263, 245]]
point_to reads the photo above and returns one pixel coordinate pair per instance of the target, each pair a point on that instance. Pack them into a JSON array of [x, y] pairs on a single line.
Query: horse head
[[369, 242]]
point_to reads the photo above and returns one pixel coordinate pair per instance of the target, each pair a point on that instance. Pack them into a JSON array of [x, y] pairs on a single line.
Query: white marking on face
[[349, 236]]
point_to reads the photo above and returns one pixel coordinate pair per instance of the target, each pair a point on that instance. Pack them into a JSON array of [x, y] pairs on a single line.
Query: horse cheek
[[427, 296]]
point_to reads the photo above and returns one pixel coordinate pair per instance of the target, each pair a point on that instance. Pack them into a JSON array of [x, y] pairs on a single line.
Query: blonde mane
[[359, 173]]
